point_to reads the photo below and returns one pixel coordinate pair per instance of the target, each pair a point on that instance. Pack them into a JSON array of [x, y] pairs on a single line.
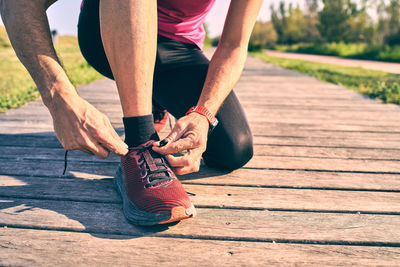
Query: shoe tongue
[[151, 160]]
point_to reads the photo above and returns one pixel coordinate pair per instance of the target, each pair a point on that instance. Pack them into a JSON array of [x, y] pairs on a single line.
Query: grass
[[357, 51], [376, 84], [17, 87]]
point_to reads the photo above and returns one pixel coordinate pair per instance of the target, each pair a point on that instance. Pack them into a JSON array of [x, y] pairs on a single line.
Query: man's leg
[[129, 36], [151, 193]]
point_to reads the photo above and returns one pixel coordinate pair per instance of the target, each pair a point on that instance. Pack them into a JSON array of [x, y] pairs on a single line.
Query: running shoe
[[150, 191]]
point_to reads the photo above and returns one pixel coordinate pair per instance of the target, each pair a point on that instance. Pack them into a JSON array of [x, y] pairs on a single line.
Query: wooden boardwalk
[[322, 189]]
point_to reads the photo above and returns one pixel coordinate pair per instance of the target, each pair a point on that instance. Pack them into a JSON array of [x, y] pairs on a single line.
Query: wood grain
[[37, 247], [209, 195], [226, 224]]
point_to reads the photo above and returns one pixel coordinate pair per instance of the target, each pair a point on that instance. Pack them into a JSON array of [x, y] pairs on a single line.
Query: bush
[[4, 42], [357, 51], [215, 41], [254, 47]]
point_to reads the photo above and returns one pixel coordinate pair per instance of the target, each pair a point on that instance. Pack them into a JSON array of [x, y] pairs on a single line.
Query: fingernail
[[163, 142]]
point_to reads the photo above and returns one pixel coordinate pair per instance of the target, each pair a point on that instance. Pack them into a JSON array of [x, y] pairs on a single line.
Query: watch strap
[[212, 120]]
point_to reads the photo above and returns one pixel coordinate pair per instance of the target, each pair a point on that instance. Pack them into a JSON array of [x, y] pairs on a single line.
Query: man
[[152, 49]]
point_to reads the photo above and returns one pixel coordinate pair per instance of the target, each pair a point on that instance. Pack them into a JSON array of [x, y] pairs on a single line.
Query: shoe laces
[[65, 161], [156, 176], [158, 171]]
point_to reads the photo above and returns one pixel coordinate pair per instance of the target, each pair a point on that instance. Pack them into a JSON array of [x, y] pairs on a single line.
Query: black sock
[[139, 130]]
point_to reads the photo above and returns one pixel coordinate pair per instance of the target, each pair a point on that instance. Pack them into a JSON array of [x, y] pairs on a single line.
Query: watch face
[[212, 126], [215, 123]]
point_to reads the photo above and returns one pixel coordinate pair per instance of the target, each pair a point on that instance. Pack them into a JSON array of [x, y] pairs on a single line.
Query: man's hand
[[190, 133], [80, 126]]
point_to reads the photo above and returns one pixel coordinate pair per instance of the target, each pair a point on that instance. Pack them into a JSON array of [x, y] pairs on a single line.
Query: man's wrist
[[58, 92], [212, 120]]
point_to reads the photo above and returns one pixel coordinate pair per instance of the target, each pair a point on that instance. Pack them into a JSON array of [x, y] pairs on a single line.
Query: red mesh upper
[[158, 199]]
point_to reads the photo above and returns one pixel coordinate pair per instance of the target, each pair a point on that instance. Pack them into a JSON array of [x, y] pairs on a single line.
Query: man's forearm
[[224, 71], [28, 29]]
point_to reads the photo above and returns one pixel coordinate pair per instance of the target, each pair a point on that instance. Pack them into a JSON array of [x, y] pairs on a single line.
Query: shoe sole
[[139, 217]]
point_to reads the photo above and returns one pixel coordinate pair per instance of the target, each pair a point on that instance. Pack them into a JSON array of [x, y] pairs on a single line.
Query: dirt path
[[366, 64]]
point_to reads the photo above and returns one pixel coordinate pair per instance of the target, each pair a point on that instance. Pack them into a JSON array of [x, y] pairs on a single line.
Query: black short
[[179, 75]]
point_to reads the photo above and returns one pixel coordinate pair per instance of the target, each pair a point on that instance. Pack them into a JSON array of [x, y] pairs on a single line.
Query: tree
[[279, 21], [289, 24], [311, 33], [333, 20], [263, 34], [393, 11]]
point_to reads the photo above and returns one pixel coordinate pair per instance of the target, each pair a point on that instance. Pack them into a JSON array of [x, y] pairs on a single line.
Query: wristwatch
[[212, 120]]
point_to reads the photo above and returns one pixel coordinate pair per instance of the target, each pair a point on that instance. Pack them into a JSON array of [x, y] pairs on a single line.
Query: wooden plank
[[283, 89], [323, 152], [260, 129], [25, 247], [13, 128], [22, 152], [299, 99], [209, 224], [295, 179], [39, 166], [102, 191], [258, 178], [335, 115], [344, 127], [390, 108], [100, 168], [330, 164], [48, 139], [319, 121], [325, 142], [254, 116]]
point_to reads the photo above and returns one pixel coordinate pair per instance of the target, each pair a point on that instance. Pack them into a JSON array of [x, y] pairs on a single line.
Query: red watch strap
[[203, 111]]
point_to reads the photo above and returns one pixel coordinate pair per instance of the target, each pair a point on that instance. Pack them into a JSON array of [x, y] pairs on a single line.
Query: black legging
[[179, 76]]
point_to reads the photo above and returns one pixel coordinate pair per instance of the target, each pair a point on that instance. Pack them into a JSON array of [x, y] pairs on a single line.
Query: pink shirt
[[182, 20]]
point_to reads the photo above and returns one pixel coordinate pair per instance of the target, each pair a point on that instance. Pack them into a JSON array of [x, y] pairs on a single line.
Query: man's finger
[[115, 145], [87, 151], [176, 147], [187, 159], [97, 149], [177, 162], [187, 169], [113, 132], [174, 135]]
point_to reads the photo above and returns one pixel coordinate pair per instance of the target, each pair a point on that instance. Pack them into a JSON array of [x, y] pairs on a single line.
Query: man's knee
[[233, 157]]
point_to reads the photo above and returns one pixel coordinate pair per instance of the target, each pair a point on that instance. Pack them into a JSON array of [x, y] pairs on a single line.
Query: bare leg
[[129, 35]]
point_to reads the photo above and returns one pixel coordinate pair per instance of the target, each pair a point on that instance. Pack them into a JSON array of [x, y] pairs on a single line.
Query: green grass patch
[[376, 84], [357, 51], [4, 42], [17, 87]]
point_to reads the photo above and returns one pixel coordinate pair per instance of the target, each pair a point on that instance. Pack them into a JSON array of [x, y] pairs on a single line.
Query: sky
[[63, 15]]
